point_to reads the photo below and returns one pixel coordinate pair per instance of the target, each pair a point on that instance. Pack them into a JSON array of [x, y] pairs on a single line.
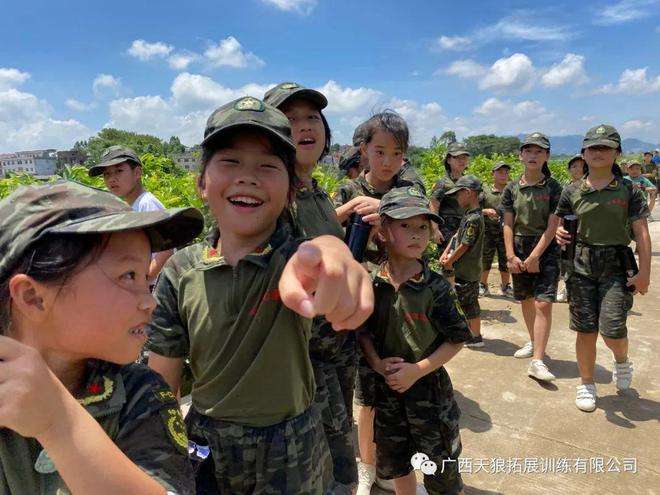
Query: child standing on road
[[240, 305], [77, 416], [600, 291], [417, 327], [463, 254], [491, 204], [640, 182], [532, 254]]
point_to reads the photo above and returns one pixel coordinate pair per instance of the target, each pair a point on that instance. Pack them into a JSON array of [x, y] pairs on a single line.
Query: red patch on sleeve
[[413, 317]]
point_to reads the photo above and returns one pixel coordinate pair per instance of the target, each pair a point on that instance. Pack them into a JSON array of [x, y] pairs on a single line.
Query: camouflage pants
[[542, 286], [468, 297], [288, 457], [423, 419], [335, 381], [494, 243], [598, 298]]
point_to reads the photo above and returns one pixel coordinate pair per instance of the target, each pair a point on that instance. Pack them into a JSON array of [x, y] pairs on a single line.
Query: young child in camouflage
[[491, 204], [456, 161], [383, 141], [239, 304], [532, 254], [640, 182], [599, 294], [417, 326], [77, 416], [462, 257], [311, 214]]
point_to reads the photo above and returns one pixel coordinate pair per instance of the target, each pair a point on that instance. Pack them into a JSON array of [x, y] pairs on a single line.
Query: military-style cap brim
[[501, 165], [413, 211], [454, 190], [305, 93], [166, 229], [98, 168], [458, 153], [531, 142], [285, 140], [601, 142]]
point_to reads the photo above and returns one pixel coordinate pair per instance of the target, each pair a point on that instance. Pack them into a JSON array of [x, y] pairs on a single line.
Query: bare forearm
[[643, 241], [507, 232], [169, 368], [87, 459], [458, 252], [547, 237], [368, 349], [440, 357]]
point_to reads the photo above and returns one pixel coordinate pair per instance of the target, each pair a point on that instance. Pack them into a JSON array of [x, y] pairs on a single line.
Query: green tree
[[490, 144], [448, 137]]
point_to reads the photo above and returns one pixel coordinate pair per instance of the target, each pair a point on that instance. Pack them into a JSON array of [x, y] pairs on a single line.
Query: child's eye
[[424, 227], [379, 153], [315, 117], [270, 166], [129, 276]]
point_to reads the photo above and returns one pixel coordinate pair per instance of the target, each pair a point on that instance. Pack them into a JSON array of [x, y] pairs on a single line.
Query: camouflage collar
[[361, 180], [260, 256], [103, 390], [300, 186], [417, 282], [523, 185], [476, 209], [587, 189]]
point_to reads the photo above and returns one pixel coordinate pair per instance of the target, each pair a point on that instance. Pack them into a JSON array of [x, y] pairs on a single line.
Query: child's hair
[[52, 260], [287, 155], [388, 121], [328, 136]]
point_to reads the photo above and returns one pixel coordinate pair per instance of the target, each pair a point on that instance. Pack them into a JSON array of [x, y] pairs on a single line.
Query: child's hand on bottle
[[401, 376], [562, 236]]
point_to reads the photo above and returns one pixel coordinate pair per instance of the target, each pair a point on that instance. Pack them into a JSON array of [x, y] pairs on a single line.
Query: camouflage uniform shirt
[[139, 413], [449, 206], [531, 205], [248, 352], [471, 233]]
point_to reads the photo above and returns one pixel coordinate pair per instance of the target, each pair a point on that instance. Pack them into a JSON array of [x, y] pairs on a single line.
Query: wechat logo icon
[[420, 461]]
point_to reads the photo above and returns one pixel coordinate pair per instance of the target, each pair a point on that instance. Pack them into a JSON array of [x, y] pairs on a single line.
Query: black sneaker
[[507, 291], [475, 341]]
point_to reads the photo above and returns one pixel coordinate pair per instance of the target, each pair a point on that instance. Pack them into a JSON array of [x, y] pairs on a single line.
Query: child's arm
[[532, 261], [322, 278], [362, 205], [169, 368], [371, 355], [456, 255], [157, 263], [34, 403], [642, 280]]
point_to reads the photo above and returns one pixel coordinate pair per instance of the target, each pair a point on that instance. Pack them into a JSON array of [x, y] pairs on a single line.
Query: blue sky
[[474, 67]]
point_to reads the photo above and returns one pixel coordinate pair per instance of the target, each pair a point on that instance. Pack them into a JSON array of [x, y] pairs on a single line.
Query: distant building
[[40, 162], [71, 157], [188, 160]]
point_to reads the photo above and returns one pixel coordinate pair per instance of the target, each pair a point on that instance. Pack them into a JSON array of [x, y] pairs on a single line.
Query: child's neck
[[471, 205], [499, 186], [304, 173], [234, 247], [134, 194], [600, 177], [532, 176], [455, 174], [402, 268], [378, 185]]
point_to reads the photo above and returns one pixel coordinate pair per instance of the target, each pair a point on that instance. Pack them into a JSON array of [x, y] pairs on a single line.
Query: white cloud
[[78, 106], [10, 77], [506, 117], [181, 61], [106, 82], [303, 7], [569, 71], [192, 92], [144, 50], [514, 72], [424, 120], [453, 43], [633, 81], [524, 26], [229, 53], [588, 118], [26, 122], [636, 125], [624, 11], [349, 100], [466, 69]]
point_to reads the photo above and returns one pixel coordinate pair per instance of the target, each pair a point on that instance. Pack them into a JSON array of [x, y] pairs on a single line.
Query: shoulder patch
[[249, 104], [165, 396], [175, 427], [470, 230]]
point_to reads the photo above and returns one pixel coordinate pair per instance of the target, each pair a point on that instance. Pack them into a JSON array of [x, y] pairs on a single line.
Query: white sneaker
[[525, 351], [540, 371], [561, 294], [366, 478], [585, 400], [622, 375]]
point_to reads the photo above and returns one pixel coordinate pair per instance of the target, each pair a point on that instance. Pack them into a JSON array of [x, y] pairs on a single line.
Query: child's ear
[[138, 173], [201, 187], [31, 298]]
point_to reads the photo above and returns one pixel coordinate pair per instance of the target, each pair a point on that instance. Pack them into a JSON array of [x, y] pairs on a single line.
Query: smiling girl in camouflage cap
[[75, 415]]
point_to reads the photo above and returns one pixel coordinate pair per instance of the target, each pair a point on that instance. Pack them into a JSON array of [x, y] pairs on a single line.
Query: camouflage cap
[[602, 135], [465, 182], [285, 91], [633, 163], [114, 155], [249, 112], [537, 138], [457, 149], [648, 152], [500, 165], [360, 134], [32, 212], [573, 158], [406, 202], [350, 159]]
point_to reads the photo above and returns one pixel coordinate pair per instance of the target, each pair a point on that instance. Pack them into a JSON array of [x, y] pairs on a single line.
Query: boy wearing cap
[[464, 253], [491, 204], [240, 304], [641, 182], [417, 326], [649, 168], [122, 174]]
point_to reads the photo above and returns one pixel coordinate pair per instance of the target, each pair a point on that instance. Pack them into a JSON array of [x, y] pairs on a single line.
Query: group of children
[[265, 305]]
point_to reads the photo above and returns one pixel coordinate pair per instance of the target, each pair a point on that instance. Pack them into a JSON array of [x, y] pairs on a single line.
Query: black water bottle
[[357, 236], [629, 264], [571, 226]]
